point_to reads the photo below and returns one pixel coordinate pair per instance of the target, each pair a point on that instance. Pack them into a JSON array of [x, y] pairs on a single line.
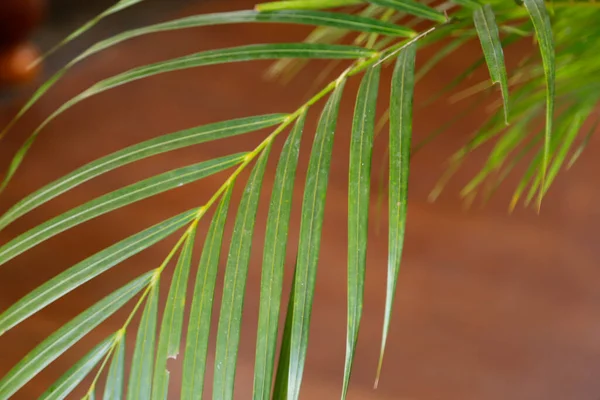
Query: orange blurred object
[[16, 64], [18, 18]]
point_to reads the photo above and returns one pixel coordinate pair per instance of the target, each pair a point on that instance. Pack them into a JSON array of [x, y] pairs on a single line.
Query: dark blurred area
[[490, 306]]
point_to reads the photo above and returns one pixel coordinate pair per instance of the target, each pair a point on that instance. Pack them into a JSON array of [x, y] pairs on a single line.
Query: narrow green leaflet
[[159, 145], [507, 143], [313, 207], [196, 346], [359, 193], [115, 378], [69, 381], [305, 4], [61, 340], [543, 32], [89, 268], [586, 140], [210, 57], [401, 106], [472, 4], [314, 18], [568, 139], [114, 200], [335, 20], [172, 322], [140, 375], [274, 255], [283, 366], [236, 271], [412, 7], [487, 30]]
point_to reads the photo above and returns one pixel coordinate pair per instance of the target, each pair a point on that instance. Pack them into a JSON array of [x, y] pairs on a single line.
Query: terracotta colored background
[[489, 306]]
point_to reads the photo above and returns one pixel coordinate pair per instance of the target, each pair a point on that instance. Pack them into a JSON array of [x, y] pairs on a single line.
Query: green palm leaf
[[196, 347], [274, 261], [140, 376], [313, 18], [236, 271], [113, 390], [140, 151], [210, 57], [359, 186], [89, 268], [412, 7], [280, 388], [61, 340], [69, 381], [401, 99], [485, 23], [543, 31], [114, 200], [172, 322], [472, 4], [305, 4], [313, 208]]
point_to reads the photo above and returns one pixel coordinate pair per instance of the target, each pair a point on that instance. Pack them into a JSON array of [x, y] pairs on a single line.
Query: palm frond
[[564, 84]]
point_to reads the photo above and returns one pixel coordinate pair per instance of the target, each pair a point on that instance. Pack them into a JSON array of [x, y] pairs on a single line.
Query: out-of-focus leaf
[[401, 100], [313, 207], [359, 194], [194, 362], [61, 340], [305, 4], [412, 7], [274, 261], [236, 272]]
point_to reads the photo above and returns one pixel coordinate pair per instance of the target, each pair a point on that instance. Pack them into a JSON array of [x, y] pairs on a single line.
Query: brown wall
[[489, 306]]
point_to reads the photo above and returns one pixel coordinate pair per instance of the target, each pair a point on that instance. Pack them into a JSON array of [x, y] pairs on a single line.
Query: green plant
[[561, 87]]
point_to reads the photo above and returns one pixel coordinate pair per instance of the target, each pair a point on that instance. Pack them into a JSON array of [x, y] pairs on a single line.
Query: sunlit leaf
[[509, 140], [487, 30], [194, 362], [274, 255], [114, 200], [73, 377], [359, 190], [313, 208], [577, 153], [472, 4], [61, 340], [543, 32], [210, 57], [89, 268], [115, 378], [305, 4], [140, 375], [412, 7], [172, 322], [567, 142], [401, 106], [236, 272], [159, 145]]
